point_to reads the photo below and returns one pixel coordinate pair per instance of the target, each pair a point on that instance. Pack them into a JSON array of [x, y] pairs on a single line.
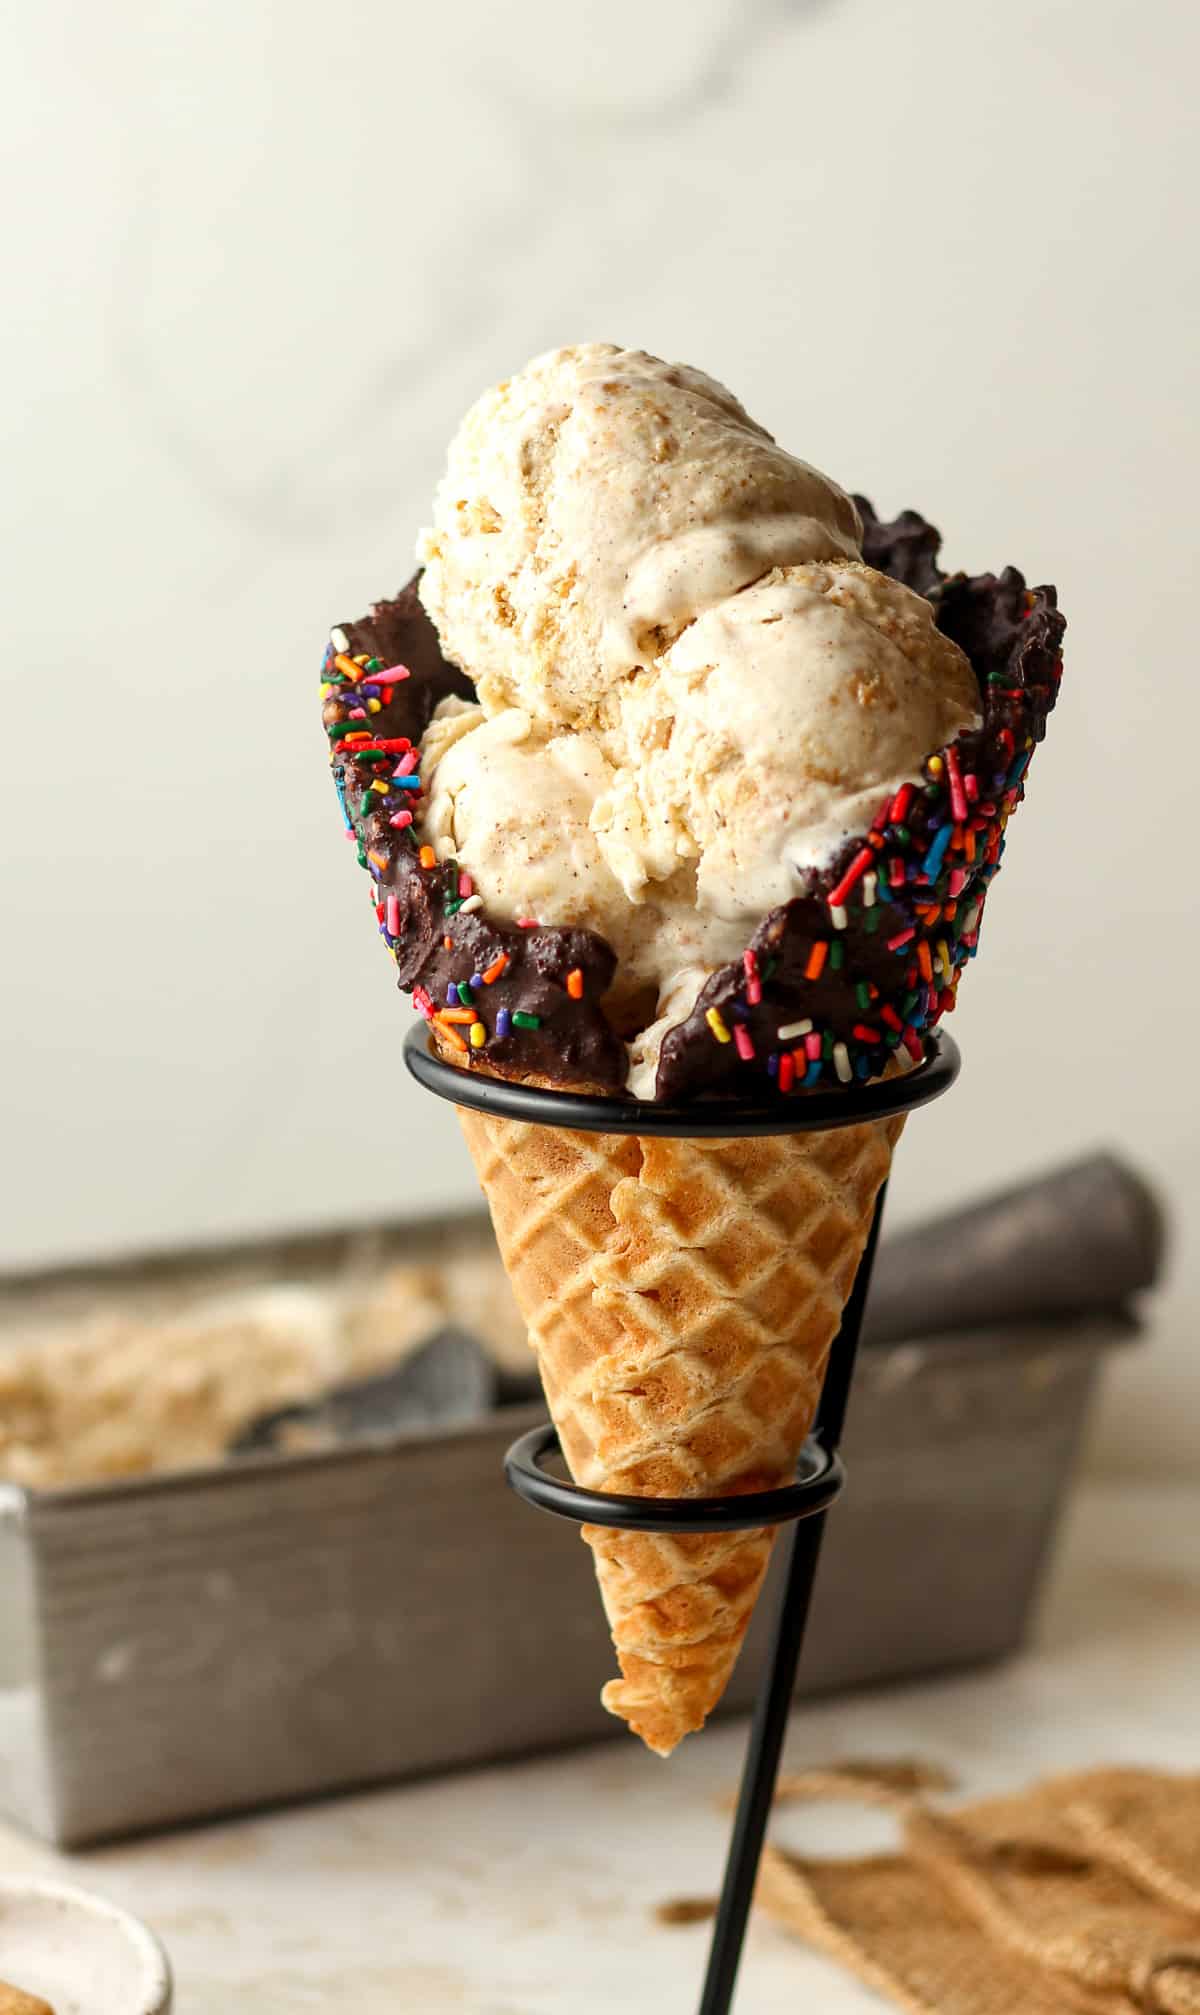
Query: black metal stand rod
[[774, 1703], [763, 1751]]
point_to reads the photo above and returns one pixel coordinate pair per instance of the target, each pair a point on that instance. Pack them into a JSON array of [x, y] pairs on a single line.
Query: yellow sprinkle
[[716, 1023], [943, 952], [935, 766], [325, 691], [380, 787], [478, 1035], [374, 706]]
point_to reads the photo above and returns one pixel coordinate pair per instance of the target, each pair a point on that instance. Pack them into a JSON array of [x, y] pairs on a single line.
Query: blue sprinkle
[[937, 852], [739, 1010], [862, 1067], [476, 980], [452, 995], [407, 783], [773, 1064], [1019, 768], [341, 791], [503, 1023], [812, 1074]]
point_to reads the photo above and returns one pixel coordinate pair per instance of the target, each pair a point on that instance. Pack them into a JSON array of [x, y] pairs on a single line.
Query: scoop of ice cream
[[514, 805], [768, 733], [593, 505]]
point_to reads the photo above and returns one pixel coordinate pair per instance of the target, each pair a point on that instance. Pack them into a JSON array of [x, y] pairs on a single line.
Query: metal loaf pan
[[181, 1646]]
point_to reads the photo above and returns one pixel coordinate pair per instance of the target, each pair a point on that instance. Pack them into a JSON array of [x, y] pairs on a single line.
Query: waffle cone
[[681, 1296]]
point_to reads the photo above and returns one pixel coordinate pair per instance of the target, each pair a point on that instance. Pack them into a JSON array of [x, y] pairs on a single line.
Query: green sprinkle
[[339, 728], [373, 665], [827, 1045], [362, 855], [465, 995], [891, 1038], [452, 909], [837, 955], [871, 920], [908, 1004], [769, 968], [521, 1020], [901, 835], [862, 994]]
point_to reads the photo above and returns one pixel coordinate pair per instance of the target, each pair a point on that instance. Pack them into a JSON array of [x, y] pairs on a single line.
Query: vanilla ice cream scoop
[[593, 505], [515, 805], [767, 734]]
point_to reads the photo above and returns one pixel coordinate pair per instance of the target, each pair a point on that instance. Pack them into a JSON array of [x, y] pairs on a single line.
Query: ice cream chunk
[[768, 733], [593, 505]]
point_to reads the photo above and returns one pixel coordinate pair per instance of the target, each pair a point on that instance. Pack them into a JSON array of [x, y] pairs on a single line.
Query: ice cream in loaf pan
[[674, 767]]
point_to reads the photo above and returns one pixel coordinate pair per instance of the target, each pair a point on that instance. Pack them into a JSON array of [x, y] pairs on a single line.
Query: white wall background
[[262, 255]]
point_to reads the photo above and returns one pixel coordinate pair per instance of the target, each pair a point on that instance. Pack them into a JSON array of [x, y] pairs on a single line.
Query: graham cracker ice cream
[[693, 738]]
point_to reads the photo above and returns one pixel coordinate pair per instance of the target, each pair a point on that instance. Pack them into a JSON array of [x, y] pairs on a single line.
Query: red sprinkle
[[901, 939], [466, 886], [816, 960], [812, 1047], [745, 1047], [787, 1071], [854, 873], [912, 1043], [866, 1034], [900, 804], [393, 916], [889, 1015], [753, 990], [895, 871], [958, 796]]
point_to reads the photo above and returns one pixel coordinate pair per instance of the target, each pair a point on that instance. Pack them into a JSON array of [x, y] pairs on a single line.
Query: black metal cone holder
[[820, 1476]]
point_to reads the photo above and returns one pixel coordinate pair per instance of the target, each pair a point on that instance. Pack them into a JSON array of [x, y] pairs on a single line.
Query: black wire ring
[[730, 1119], [818, 1483]]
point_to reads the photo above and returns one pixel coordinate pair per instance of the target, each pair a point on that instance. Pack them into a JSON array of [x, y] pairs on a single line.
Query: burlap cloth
[[1079, 1894]]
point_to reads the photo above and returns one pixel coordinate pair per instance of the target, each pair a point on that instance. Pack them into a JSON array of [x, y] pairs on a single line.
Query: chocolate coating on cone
[[866, 958]]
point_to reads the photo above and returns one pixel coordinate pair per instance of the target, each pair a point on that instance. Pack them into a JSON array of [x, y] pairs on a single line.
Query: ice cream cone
[[681, 1297]]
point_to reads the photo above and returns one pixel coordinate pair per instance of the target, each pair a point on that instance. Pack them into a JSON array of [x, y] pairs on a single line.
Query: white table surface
[[530, 1889]]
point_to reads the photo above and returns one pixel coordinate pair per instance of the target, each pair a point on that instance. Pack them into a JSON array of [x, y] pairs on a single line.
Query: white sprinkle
[[837, 916], [841, 1062], [340, 641], [793, 1028], [868, 891], [472, 903]]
